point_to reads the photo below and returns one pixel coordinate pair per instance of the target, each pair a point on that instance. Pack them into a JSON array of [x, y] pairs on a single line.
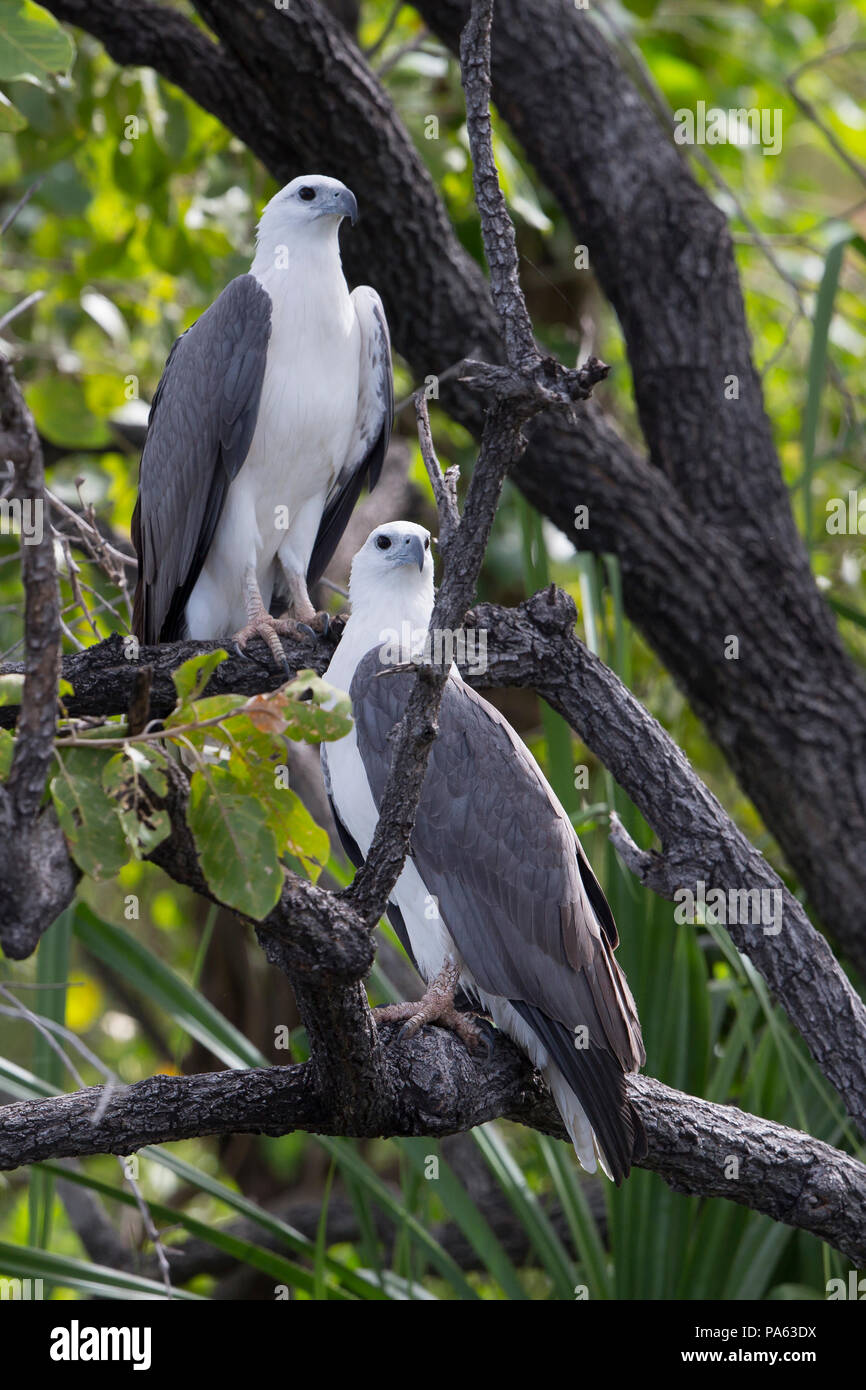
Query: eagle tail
[[590, 1083], [575, 1121]]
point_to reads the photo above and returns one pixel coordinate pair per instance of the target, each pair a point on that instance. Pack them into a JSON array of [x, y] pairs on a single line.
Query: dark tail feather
[[598, 1081]]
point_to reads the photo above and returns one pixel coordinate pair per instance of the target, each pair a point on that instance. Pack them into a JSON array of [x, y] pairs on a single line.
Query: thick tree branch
[[698, 1147], [36, 880]]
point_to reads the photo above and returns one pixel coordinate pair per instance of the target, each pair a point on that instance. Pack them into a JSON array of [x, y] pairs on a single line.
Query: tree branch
[[697, 1147], [36, 879]]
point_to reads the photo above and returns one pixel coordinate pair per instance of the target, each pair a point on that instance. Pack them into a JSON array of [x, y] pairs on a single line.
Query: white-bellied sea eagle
[[496, 895], [273, 410]]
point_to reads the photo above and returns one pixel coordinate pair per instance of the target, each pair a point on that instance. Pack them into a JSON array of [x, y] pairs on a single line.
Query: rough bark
[[36, 879]]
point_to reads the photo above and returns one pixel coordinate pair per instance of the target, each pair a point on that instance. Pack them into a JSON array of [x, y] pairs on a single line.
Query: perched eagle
[[497, 895], [272, 411]]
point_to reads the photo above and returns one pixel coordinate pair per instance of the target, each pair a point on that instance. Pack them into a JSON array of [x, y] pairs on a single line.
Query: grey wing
[[515, 892], [202, 422], [372, 429]]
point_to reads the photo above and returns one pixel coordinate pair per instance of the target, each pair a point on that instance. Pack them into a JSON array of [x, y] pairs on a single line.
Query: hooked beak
[[411, 552], [346, 204]]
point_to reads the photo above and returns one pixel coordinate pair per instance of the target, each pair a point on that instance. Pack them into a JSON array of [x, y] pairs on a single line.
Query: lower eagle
[[496, 897]]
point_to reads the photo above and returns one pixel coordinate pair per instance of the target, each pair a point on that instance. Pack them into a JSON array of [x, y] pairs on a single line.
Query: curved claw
[[247, 656], [305, 627], [485, 1035]]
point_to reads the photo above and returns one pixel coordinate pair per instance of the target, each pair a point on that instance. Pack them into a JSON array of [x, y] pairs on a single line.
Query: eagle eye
[[427, 543], [383, 542], [308, 194]]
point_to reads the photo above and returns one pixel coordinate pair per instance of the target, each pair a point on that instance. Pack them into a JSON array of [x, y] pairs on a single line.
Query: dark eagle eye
[[308, 194], [383, 542], [427, 543]]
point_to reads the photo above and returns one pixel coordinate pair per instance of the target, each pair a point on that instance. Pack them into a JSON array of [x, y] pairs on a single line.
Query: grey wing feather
[[372, 429], [515, 890], [202, 422]]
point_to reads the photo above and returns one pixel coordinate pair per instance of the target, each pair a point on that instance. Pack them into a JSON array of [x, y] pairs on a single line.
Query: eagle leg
[[436, 1006], [261, 624]]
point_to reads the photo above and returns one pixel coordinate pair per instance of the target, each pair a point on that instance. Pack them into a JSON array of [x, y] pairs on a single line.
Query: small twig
[[78, 596], [99, 548], [22, 203], [371, 52], [402, 52], [17, 309], [446, 375], [444, 484], [335, 588]]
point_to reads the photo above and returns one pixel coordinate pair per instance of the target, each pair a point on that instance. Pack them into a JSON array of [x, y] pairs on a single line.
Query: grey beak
[[346, 203], [414, 550]]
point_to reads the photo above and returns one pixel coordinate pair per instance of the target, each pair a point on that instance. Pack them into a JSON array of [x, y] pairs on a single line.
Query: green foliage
[[33, 47]]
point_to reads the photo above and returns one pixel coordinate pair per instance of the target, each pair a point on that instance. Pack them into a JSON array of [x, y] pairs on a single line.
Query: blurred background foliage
[[144, 209]]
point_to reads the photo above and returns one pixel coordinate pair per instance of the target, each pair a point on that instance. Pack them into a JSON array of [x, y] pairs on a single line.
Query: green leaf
[[236, 846], [10, 689], [528, 1209], [296, 831], [60, 409], [357, 1281], [126, 778], [22, 1084], [52, 970], [464, 1211], [379, 1191], [87, 815], [276, 1266], [306, 715], [191, 678], [214, 742], [32, 43], [20, 1262], [10, 118], [582, 1224]]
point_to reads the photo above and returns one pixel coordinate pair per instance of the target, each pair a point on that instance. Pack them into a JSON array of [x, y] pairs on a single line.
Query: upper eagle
[[272, 411]]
